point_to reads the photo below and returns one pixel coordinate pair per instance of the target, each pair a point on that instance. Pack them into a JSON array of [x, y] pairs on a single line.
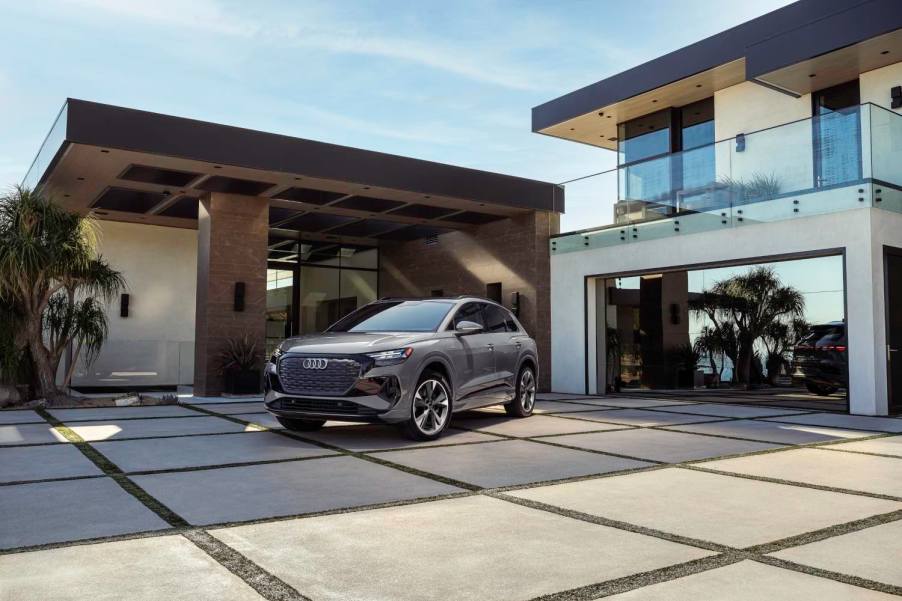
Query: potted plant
[[683, 360], [239, 366]]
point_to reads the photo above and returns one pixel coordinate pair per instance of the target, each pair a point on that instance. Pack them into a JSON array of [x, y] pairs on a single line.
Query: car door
[[505, 347], [472, 357]]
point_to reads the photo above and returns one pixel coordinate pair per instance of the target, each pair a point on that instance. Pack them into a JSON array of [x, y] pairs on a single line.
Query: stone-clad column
[[232, 240]]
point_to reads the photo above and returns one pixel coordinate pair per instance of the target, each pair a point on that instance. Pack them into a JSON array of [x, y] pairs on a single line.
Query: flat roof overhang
[[142, 167], [837, 38]]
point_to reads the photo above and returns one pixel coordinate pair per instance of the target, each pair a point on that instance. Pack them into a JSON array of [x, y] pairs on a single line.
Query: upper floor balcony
[[847, 159]]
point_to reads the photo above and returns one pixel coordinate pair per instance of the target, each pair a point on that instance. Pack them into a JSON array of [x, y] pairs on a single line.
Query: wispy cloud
[[321, 30]]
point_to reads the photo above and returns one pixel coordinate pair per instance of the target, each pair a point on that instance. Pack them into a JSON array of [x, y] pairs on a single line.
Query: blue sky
[[446, 81]]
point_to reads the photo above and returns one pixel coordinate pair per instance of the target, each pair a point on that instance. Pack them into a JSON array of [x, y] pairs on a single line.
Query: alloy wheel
[[527, 390], [431, 406]]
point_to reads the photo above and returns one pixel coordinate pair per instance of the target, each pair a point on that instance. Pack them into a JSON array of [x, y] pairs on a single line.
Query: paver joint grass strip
[[269, 586], [642, 579]]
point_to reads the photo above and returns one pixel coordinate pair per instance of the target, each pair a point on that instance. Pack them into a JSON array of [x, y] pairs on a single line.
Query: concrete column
[[231, 247]]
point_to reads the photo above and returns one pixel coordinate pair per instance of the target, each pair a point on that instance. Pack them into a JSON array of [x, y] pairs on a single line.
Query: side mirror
[[465, 328]]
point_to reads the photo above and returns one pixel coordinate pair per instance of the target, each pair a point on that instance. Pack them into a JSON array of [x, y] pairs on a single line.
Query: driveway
[[620, 497]]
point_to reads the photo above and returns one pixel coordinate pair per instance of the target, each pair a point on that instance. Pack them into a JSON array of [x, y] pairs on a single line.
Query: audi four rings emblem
[[315, 363]]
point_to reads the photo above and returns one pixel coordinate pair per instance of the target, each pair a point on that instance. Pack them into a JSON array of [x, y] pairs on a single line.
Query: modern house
[[777, 142], [223, 232]]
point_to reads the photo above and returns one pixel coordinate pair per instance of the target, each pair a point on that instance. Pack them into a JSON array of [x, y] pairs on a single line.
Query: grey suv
[[411, 362]]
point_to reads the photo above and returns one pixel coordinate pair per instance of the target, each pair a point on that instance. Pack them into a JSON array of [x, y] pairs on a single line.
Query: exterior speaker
[[239, 296], [123, 305]]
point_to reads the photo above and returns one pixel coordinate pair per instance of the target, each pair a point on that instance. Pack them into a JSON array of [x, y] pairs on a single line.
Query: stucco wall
[[876, 84], [154, 345]]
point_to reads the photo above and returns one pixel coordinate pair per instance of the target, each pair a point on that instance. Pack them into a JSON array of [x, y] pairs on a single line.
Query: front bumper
[[376, 397]]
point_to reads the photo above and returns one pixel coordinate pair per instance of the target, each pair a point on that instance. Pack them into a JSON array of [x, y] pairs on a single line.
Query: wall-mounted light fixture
[[123, 305], [740, 142], [238, 303], [515, 304], [896, 94]]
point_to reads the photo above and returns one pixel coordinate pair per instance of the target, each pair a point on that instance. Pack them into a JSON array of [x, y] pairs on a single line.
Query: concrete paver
[[195, 451], [20, 416], [751, 581], [99, 413], [722, 509], [641, 417], [44, 462], [658, 445], [143, 569], [277, 489], [52, 512], [721, 410], [537, 425], [29, 434], [379, 437], [839, 420], [772, 431], [853, 471], [113, 429], [889, 445], [873, 553], [473, 548], [510, 462], [235, 408]]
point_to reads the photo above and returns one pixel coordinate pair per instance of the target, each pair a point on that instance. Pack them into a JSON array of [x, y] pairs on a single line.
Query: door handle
[[491, 346], [518, 344]]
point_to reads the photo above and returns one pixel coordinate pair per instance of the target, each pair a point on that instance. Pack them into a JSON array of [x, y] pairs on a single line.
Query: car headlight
[[393, 357]]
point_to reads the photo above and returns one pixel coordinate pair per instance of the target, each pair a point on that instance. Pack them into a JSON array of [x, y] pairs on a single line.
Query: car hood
[[352, 342]]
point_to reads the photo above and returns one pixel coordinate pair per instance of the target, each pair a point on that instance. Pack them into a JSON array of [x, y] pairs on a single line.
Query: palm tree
[[51, 272], [753, 301]]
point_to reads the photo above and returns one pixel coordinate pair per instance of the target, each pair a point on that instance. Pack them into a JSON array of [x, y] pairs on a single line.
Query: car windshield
[[395, 316]]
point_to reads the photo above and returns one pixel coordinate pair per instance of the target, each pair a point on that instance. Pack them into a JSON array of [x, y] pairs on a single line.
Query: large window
[[778, 328], [667, 161], [311, 285]]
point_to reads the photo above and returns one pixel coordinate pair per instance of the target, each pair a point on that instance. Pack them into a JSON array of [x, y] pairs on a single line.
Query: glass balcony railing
[[844, 160], [48, 151]]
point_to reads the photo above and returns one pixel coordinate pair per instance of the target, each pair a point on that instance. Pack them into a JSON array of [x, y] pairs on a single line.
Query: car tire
[[525, 394], [301, 425], [430, 408]]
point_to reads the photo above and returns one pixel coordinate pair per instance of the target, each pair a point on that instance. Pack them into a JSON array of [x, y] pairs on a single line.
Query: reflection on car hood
[[352, 342]]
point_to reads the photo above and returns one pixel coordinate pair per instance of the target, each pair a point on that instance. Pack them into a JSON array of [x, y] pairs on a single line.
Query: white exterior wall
[[875, 85], [154, 345], [860, 232], [783, 154]]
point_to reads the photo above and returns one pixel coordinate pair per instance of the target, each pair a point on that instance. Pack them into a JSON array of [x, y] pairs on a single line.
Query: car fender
[[436, 356]]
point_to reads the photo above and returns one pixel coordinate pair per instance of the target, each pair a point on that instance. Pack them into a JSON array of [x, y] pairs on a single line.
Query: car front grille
[[335, 380], [330, 406]]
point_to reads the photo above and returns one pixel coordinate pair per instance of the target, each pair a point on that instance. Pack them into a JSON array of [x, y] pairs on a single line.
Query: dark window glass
[[495, 319], [837, 148], [644, 137], [469, 312], [397, 316]]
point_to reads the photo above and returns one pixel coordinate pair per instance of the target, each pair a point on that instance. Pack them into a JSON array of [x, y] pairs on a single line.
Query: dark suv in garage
[[821, 361], [411, 362]]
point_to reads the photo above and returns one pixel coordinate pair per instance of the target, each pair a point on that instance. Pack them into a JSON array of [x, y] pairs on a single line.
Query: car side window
[[510, 322], [495, 319], [468, 312]]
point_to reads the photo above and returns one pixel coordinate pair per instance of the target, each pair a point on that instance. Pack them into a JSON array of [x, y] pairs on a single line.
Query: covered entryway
[[279, 235]]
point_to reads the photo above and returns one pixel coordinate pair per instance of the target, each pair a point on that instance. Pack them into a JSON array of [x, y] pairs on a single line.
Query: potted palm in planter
[[239, 366]]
